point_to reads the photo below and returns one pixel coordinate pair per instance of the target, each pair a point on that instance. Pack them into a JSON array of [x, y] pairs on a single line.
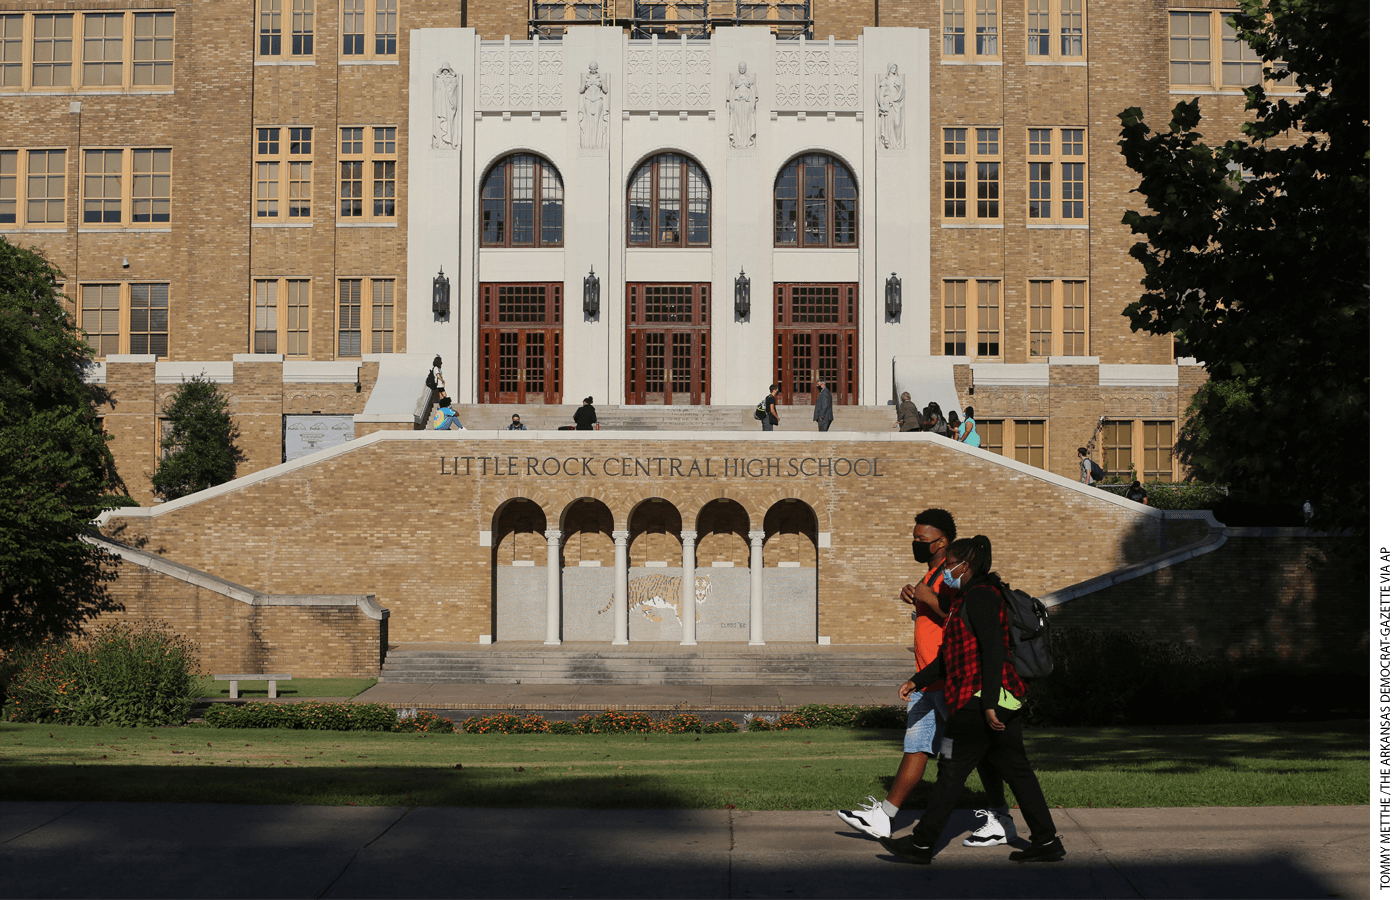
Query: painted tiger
[[653, 593]]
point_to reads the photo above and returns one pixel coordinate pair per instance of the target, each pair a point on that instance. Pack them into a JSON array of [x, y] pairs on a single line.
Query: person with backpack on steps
[[984, 692], [1090, 472]]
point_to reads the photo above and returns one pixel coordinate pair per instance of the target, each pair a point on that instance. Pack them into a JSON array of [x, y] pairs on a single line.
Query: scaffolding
[[786, 19]]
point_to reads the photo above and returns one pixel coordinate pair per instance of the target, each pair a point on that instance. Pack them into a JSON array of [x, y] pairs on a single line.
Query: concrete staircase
[[646, 663], [542, 417]]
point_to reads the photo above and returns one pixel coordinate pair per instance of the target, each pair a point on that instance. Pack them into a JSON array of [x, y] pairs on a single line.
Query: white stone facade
[[669, 96]]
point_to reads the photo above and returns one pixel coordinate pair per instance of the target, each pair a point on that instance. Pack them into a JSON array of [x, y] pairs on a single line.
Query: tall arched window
[[522, 204], [820, 191], [668, 203]]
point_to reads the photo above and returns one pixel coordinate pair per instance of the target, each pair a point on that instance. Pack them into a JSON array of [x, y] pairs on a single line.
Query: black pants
[[973, 740]]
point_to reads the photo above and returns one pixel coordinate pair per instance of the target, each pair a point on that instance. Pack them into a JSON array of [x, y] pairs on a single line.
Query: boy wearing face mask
[[934, 530]]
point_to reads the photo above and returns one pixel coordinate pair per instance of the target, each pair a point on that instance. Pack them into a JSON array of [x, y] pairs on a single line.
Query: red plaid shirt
[[964, 663]]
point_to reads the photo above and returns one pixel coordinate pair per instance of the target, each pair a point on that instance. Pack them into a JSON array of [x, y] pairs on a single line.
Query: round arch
[[722, 529], [790, 535], [519, 557], [669, 201], [654, 534], [520, 202], [816, 202]]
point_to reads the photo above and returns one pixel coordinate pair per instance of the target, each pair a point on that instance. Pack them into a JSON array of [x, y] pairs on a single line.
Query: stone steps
[[540, 417], [662, 664]]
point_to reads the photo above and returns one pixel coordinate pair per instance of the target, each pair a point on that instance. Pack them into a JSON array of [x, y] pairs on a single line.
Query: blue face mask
[[950, 580]]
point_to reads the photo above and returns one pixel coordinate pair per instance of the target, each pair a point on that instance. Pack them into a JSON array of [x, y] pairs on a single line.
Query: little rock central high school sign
[[565, 536]]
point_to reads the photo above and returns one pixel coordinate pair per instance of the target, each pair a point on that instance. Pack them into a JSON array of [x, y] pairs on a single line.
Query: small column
[[620, 587], [552, 600], [756, 588], [688, 588]]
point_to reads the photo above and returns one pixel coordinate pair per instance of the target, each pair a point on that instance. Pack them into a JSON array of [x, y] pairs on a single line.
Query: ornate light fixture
[[442, 294], [591, 302], [741, 295], [894, 302]]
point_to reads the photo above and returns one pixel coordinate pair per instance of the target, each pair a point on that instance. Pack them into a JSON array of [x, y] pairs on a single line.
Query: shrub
[[681, 723], [1126, 678], [562, 727], [1178, 495], [132, 674], [313, 715], [425, 722], [506, 723], [611, 721], [723, 726]]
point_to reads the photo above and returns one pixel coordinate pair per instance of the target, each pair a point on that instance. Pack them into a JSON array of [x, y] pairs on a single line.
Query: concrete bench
[[270, 679]]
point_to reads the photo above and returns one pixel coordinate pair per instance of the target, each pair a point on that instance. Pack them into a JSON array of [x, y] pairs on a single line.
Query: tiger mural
[[653, 593]]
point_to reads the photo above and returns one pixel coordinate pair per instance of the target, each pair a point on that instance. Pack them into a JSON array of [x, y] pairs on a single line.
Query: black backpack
[[1096, 472], [761, 412], [1028, 623]]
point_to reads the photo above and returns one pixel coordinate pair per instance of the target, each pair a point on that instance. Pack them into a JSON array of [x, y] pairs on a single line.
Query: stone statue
[[445, 102], [593, 109], [889, 97], [743, 109]]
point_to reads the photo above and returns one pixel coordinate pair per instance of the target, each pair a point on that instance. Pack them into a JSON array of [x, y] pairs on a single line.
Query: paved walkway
[[691, 697], [193, 850]]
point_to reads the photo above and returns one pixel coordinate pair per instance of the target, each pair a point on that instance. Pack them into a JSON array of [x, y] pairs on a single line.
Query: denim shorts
[[924, 728]]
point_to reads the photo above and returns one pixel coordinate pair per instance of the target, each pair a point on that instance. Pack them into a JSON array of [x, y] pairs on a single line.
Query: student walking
[[984, 693], [934, 530], [821, 413], [770, 408]]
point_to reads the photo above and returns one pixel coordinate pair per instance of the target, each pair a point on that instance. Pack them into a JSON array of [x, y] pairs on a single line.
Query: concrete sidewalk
[[631, 697], [175, 850]]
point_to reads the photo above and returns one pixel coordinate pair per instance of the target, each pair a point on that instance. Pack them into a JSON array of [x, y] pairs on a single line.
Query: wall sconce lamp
[[894, 301], [591, 302], [741, 295], [442, 294]]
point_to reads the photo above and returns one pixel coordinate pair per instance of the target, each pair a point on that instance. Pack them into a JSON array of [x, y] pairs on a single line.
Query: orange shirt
[[928, 630]]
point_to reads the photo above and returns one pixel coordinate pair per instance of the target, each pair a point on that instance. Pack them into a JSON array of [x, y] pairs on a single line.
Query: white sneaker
[[992, 832], [870, 818]]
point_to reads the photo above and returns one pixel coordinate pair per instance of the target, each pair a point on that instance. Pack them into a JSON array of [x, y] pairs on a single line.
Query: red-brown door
[[668, 344], [522, 343], [815, 336]]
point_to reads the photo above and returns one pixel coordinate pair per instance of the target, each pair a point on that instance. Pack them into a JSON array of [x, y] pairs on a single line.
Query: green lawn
[[298, 687], [1292, 764]]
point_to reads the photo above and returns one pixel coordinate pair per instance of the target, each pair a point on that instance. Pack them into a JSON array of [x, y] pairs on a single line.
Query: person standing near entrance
[[770, 408], [585, 418], [821, 414], [908, 413]]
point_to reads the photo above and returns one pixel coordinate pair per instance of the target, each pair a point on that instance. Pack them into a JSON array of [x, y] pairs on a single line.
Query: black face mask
[[923, 552]]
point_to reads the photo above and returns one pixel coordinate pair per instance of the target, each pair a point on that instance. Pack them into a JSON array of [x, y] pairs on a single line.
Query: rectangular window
[[279, 20], [1066, 17], [382, 15], [985, 16], [126, 318], [126, 187], [1059, 318], [974, 152], [1206, 53], [1030, 442], [282, 174], [303, 27], [33, 187], [369, 153], [987, 28], [1239, 64], [269, 27], [356, 331], [282, 316], [992, 434], [1157, 451], [954, 28], [12, 51], [1118, 448], [988, 319], [1057, 176], [52, 52], [102, 49], [955, 318], [153, 50], [1071, 29]]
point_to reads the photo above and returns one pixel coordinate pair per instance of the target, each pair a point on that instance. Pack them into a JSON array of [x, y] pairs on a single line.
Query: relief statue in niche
[[743, 109], [593, 109], [889, 97], [446, 99]]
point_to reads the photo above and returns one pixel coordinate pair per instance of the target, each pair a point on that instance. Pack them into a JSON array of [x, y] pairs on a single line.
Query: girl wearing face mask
[[984, 694]]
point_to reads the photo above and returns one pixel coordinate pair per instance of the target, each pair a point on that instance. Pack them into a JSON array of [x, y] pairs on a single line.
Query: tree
[[56, 473], [1256, 256], [199, 451]]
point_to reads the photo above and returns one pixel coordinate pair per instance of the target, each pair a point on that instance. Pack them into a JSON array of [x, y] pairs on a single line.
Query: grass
[[299, 687], [1271, 765]]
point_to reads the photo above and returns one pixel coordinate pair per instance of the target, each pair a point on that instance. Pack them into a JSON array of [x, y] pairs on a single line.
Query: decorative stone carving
[[668, 78], [889, 99], [743, 109], [446, 101], [817, 77], [521, 76], [593, 109]]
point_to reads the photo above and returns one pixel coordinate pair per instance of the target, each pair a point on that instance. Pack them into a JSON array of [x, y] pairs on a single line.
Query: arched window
[[820, 190], [668, 203], [522, 204]]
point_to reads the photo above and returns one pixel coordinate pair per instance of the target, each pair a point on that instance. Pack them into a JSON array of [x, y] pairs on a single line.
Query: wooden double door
[[668, 344], [815, 337], [521, 343]]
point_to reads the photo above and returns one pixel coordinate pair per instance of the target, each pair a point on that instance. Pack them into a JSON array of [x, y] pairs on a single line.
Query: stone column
[[553, 602], [688, 588], [620, 609], [755, 588]]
